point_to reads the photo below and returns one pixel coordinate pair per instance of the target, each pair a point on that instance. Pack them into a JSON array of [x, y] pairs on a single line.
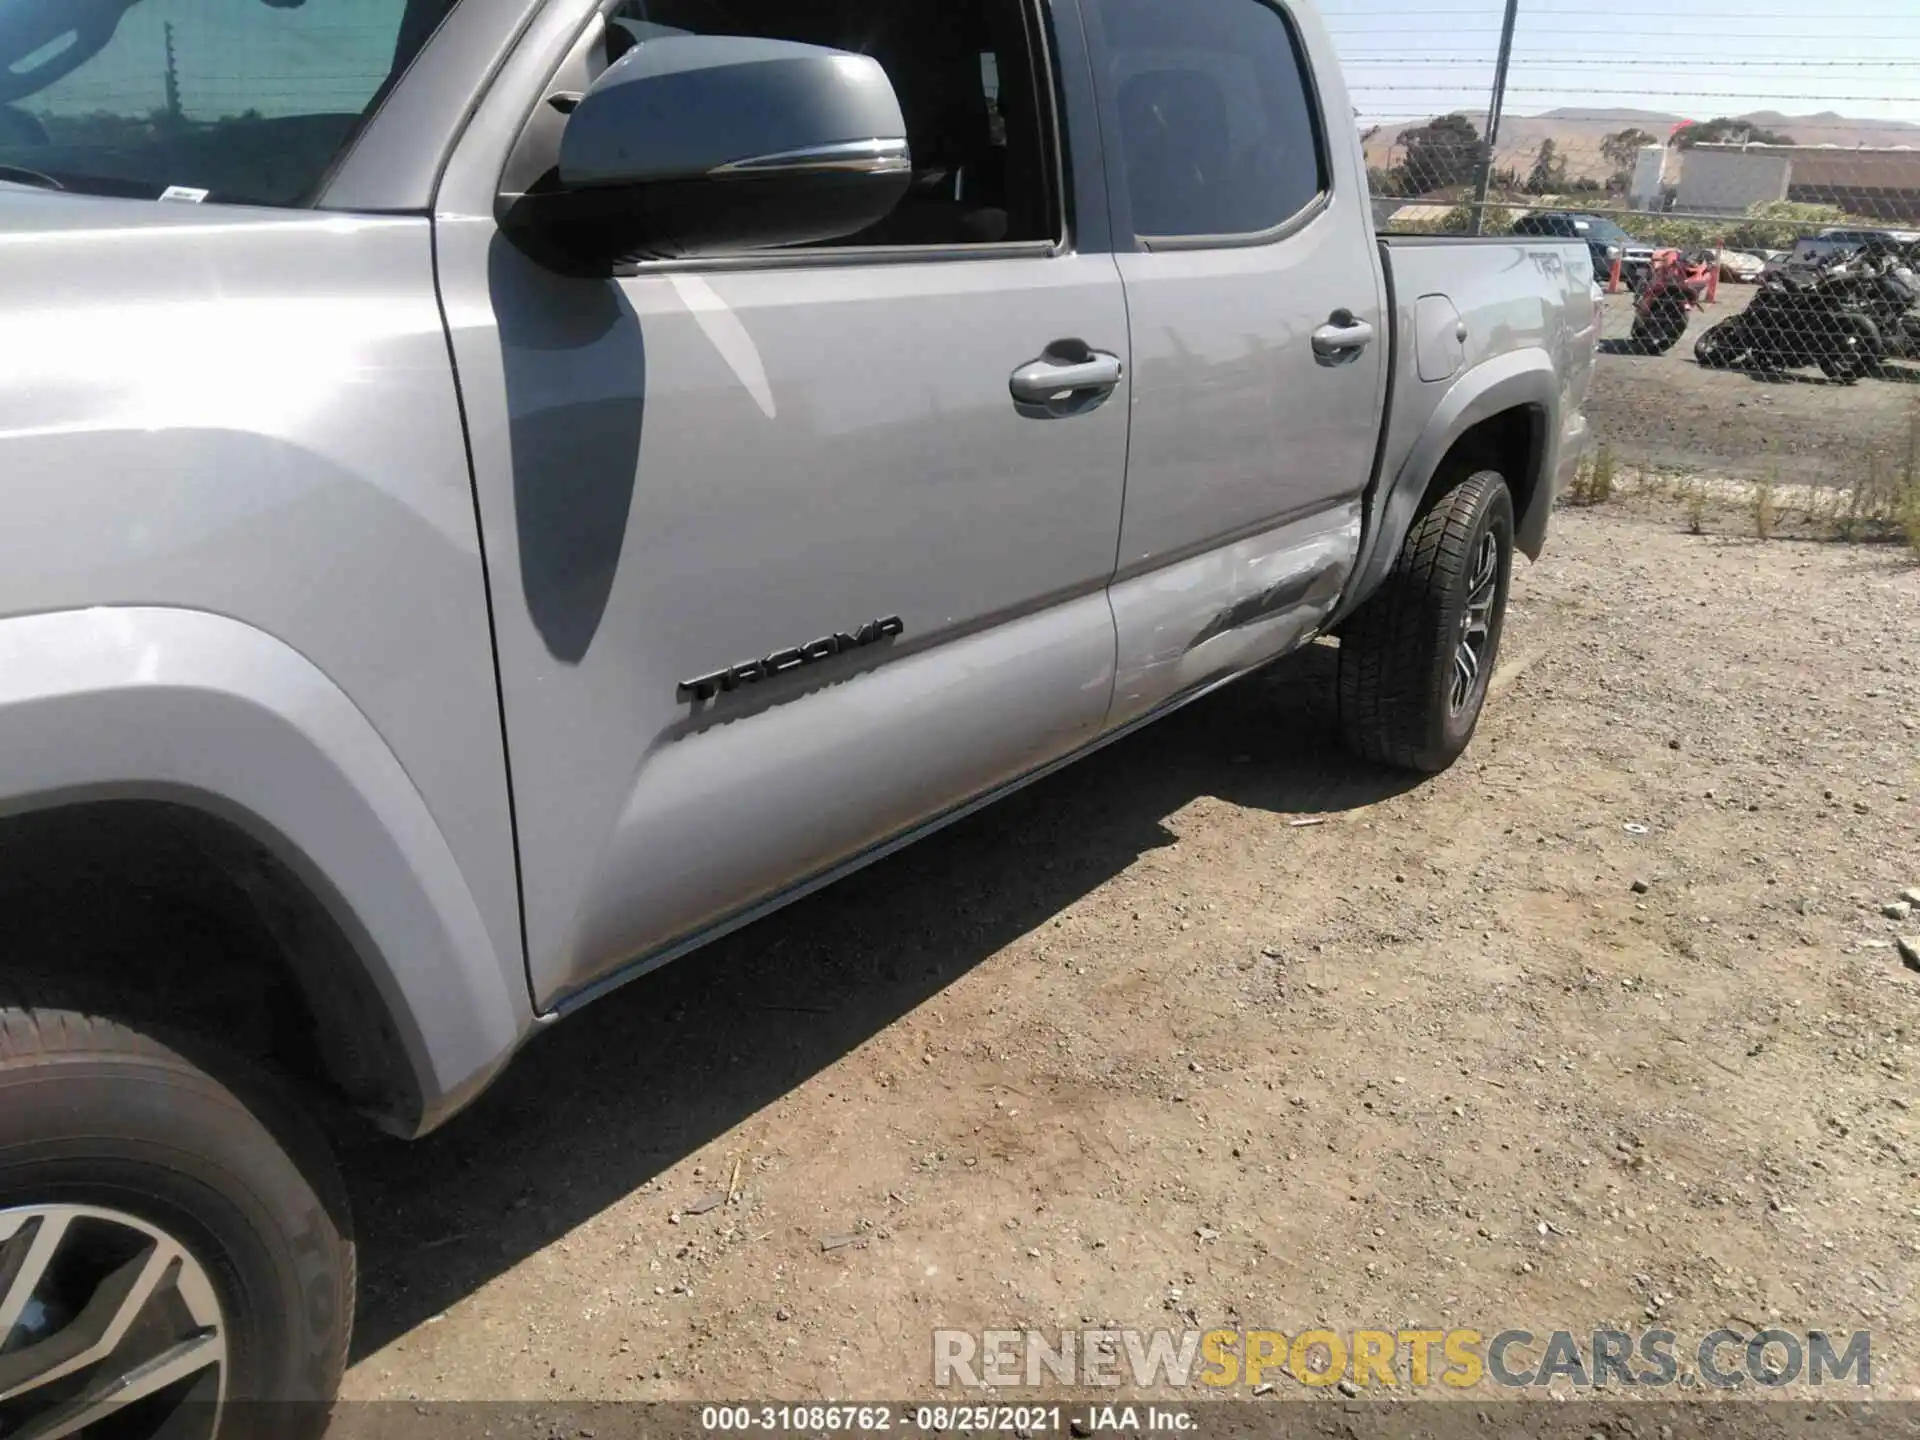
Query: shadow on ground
[[1888, 373], [606, 1100], [1625, 347]]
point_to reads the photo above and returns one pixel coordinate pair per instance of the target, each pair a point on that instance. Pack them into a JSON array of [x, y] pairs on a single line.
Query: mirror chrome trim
[[854, 157]]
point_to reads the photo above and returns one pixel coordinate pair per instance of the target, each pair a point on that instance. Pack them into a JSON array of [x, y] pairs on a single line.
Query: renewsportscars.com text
[[1457, 1359]]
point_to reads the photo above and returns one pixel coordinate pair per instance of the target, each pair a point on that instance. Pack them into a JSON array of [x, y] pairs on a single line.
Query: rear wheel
[[169, 1250], [1855, 350], [1416, 658], [1660, 329]]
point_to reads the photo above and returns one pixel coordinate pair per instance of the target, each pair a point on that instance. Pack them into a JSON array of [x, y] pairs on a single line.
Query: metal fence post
[[1485, 177]]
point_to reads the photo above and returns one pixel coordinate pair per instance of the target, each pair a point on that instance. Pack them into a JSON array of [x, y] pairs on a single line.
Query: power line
[[1452, 31], [1587, 61], [1688, 94], [1611, 20], [1624, 116]]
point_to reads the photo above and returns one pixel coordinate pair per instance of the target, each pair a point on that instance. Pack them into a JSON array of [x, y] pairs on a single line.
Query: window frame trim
[[846, 255], [1121, 192], [1037, 19], [401, 154], [316, 194]]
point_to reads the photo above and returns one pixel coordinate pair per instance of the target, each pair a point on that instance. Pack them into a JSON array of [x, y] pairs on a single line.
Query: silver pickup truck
[[495, 494]]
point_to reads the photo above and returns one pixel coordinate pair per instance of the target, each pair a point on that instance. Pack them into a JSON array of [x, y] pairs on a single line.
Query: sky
[[1404, 59], [1408, 59]]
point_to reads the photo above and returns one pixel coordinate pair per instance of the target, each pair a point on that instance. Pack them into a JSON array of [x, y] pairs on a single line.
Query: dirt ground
[[1219, 1028], [1667, 413]]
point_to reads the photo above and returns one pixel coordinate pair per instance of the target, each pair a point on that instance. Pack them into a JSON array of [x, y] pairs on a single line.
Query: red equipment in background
[[1679, 284]]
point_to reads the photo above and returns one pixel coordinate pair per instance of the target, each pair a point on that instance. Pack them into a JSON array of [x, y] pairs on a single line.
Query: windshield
[[1606, 232], [241, 101]]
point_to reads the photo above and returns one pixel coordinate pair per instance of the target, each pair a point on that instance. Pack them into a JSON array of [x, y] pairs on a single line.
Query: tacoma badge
[[705, 687]]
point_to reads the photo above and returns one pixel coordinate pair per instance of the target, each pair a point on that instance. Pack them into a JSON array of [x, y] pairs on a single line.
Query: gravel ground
[[1667, 413], [1219, 1028]]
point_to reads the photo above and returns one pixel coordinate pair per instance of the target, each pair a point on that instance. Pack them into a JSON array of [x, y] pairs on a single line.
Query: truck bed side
[[1489, 336]]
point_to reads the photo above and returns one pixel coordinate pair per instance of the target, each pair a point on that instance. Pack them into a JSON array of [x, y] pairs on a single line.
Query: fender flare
[[208, 712], [1520, 379]]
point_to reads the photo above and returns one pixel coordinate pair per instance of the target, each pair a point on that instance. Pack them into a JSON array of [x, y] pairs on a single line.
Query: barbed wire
[[1635, 60], [1691, 94]]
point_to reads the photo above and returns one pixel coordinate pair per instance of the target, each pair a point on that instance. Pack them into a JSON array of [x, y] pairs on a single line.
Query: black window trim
[[1283, 229], [316, 194], [1046, 77], [400, 156]]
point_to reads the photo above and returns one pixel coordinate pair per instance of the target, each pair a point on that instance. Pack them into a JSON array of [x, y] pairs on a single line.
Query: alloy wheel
[[105, 1317], [1476, 624]]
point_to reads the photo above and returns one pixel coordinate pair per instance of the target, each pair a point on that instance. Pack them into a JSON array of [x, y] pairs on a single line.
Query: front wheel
[[171, 1254], [1416, 658]]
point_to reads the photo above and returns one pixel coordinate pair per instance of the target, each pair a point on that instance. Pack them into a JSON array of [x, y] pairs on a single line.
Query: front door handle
[[1068, 379], [1341, 338]]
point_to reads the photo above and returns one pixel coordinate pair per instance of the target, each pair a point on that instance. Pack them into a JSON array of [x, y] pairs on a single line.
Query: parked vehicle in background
[[1602, 237], [520, 488], [1835, 242], [1870, 236]]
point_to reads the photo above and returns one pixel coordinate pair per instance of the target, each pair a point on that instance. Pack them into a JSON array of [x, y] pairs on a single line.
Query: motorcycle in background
[[1676, 286], [1846, 316]]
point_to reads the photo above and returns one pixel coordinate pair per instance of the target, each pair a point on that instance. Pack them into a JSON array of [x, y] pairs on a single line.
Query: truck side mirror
[[715, 144]]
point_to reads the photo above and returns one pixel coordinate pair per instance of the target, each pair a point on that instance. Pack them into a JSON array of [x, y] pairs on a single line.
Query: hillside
[[1578, 134]]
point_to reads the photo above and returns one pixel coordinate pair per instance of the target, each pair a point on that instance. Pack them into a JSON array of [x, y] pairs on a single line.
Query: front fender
[[132, 702], [1522, 379]]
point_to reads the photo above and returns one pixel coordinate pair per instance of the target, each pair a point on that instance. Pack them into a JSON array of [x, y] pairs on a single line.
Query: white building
[[1645, 190], [1879, 184], [1732, 179]]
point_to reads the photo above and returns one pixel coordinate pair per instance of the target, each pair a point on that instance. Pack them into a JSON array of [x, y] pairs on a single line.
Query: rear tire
[[1855, 350], [1416, 658], [120, 1158], [1660, 329]]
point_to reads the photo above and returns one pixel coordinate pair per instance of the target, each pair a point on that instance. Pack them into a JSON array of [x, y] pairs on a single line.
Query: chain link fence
[[1747, 182]]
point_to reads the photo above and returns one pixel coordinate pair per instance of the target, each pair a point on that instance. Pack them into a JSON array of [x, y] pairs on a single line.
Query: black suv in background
[[1602, 237]]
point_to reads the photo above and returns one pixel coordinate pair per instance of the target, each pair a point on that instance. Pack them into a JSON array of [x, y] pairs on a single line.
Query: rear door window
[[1217, 116]]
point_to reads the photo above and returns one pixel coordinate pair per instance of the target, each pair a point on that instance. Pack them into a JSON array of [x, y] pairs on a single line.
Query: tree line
[[1447, 151]]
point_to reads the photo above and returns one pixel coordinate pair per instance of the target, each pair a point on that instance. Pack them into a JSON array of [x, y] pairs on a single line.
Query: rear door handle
[[1068, 379], [1342, 337]]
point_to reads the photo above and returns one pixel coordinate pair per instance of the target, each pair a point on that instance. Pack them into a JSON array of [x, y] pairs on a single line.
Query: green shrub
[[1773, 225], [1763, 510], [1910, 484]]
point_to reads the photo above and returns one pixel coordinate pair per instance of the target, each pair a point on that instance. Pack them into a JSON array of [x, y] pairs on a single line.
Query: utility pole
[[1494, 107], [173, 78]]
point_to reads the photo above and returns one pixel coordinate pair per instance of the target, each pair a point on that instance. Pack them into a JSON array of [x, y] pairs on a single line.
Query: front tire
[[1416, 658], [166, 1245]]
